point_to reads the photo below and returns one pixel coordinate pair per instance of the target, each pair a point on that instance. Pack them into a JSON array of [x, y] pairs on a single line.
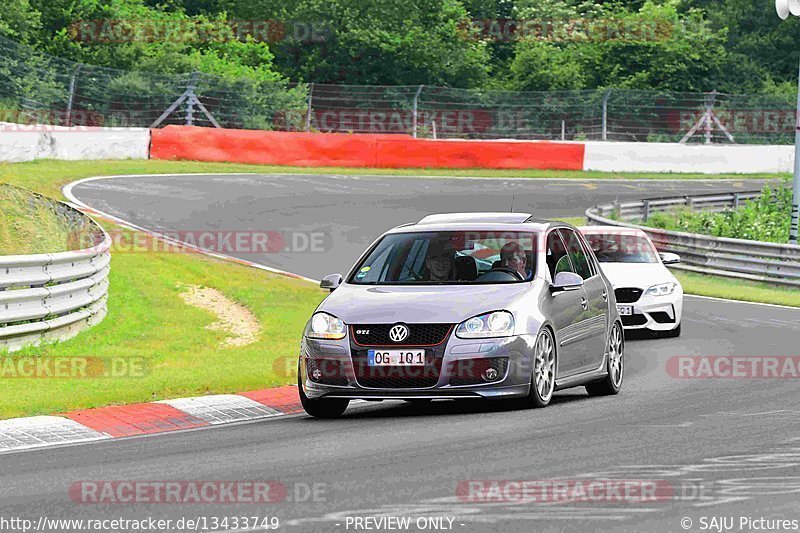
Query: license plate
[[625, 310], [396, 357]]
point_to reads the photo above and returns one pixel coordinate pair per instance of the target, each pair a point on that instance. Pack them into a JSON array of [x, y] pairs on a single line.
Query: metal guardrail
[[734, 258], [48, 297]]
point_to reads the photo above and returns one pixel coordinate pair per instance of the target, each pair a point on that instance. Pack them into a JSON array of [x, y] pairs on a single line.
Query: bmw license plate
[[396, 357], [625, 310]]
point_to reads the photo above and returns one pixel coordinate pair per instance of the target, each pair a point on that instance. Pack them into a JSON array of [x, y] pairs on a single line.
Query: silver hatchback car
[[464, 305]]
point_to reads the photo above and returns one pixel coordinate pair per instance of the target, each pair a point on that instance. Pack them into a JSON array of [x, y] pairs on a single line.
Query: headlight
[[661, 290], [325, 326], [496, 324]]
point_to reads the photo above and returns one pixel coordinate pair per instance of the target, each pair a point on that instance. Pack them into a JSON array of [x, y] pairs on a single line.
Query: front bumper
[[655, 313], [454, 370]]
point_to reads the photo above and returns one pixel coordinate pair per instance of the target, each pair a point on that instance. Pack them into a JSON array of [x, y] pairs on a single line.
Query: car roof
[[478, 222], [500, 218], [611, 230]]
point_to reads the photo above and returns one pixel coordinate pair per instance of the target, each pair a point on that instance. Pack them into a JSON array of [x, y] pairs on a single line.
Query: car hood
[[642, 275], [356, 304]]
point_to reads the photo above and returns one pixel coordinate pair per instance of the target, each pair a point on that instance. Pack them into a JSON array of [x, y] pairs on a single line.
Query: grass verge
[[148, 324], [30, 225], [734, 289]]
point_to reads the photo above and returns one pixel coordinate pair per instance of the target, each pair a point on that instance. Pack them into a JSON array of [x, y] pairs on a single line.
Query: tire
[[615, 365], [320, 408], [543, 373]]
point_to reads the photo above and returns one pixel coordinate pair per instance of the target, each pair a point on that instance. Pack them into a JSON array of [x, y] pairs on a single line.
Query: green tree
[[19, 20], [588, 45], [392, 42]]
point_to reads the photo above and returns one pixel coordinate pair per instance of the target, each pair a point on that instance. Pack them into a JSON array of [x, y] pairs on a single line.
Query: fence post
[[736, 200], [646, 210], [605, 114], [308, 111], [794, 214], [71, 98], [416, 107], [190, 99], [712, 96]]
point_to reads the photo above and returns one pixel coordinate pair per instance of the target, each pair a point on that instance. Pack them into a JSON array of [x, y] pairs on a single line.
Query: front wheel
[[543, 378], [320, 408], [615, 365]]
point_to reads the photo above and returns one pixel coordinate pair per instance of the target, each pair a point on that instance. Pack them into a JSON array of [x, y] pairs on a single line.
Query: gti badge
[[398, 333]]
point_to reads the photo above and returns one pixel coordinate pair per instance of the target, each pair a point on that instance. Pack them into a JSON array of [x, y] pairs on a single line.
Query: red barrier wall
[[357, 150]]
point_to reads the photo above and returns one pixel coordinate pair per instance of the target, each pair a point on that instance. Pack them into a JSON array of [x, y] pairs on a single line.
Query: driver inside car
[[439, 261], [512, 256]]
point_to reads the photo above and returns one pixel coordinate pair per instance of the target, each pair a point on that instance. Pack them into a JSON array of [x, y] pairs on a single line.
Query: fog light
[[490, 374], [316, 374]]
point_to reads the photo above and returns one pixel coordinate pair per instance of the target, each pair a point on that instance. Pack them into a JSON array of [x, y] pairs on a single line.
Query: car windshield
[[621, 248], [448, 258]]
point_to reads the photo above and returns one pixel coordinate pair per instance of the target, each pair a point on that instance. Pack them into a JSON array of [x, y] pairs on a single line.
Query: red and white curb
[[119, 421]]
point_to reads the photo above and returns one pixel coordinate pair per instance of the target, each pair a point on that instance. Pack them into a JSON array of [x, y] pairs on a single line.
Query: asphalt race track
[[350, 212], [725, 447]]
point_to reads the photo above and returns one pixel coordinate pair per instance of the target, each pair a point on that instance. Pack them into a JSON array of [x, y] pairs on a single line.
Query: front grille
[[469, 371], [366, 336], [397, 377], [333, 371], [627, 295], [418, 334], [633, 320]]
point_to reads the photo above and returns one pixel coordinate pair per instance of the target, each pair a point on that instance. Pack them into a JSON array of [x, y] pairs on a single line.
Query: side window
[[593, 266], [557, 259], [576, 253]]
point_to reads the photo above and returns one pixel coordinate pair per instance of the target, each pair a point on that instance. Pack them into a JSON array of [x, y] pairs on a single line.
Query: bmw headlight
[[663, 289], [325, 326], [495, 324]]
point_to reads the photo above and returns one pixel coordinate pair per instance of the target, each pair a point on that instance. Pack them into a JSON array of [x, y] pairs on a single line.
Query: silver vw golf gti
[[465, 305]]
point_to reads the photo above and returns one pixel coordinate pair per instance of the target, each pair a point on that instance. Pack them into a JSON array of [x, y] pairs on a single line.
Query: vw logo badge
[[398, 333]]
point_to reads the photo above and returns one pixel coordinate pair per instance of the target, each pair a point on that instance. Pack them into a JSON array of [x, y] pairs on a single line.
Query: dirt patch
[[234, 319]]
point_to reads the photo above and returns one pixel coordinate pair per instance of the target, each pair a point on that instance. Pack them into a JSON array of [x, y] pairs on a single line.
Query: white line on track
[[67, 192], [631, 179], [741, 302]]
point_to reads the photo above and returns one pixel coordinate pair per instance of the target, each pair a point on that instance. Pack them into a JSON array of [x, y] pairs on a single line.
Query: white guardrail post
[[48, 297], [735, 258]]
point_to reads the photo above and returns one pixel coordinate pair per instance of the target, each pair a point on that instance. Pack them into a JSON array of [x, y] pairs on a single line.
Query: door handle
[[584, 304], [605, 296]]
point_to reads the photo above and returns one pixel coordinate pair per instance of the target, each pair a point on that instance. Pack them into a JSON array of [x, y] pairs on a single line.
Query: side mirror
[[566, 281], [669, 258], [331, 282]]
